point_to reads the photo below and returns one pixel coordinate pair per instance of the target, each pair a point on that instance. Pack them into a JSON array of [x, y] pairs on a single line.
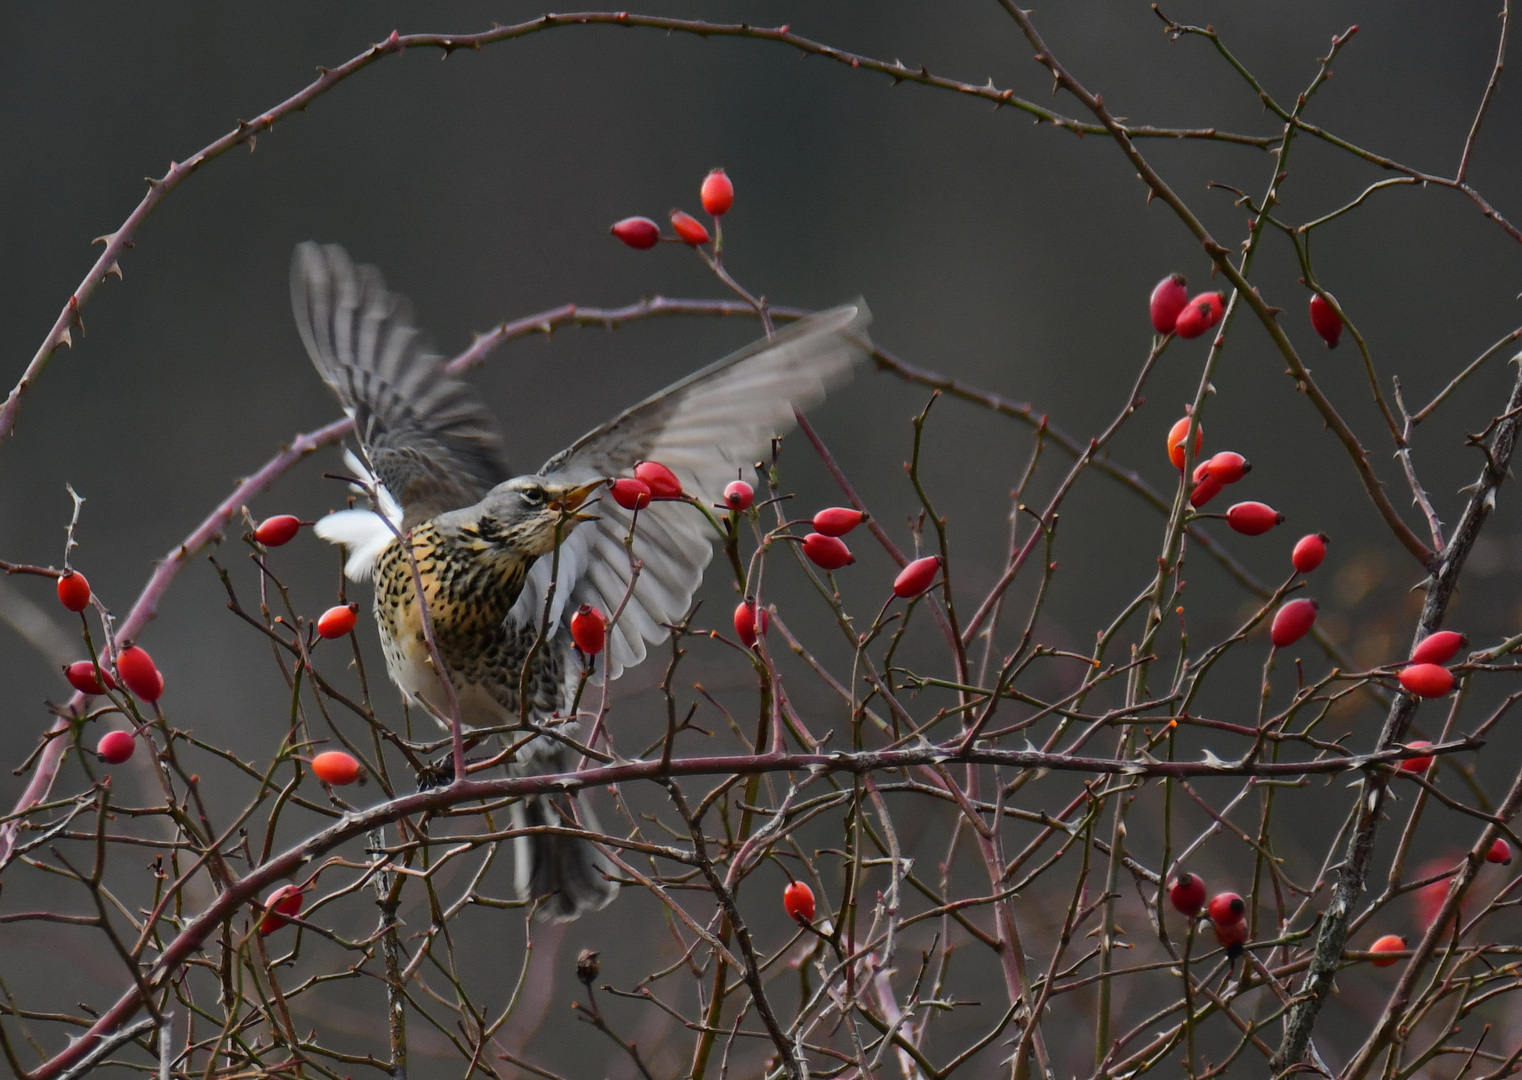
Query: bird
[[484, 540]]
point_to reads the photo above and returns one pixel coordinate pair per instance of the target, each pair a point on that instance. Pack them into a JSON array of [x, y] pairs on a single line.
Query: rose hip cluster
[[717, 195], [1226, 911]]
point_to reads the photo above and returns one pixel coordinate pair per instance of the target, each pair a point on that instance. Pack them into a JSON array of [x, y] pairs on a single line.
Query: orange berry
[[336, 622], [335, 767], [689, 229], [73, 590], [1176, 436], [798, 902], [115, 747], [275, 531], [1390, 943], [589, 629], [639, 233], [718, 193]]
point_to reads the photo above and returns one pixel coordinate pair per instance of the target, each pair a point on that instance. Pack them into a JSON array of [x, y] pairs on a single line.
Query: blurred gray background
[[1016, 258]]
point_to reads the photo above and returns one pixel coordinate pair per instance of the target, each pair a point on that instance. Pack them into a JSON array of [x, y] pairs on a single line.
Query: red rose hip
[[1292, 622], [1199, 315], [1187, 894], [1500, 852], [87, 678], [1309, 552], [917, 577], [798, 902], [661, 481], [1231, 937], [1417, 764], [827, 552], [278, 530], [748, 620], [717, 193], [1389, 944], [115, 747], [739, 495], [589, 629], [1253, 518], [1226, 908], [689, 229], [630, 493], [1228, 466], [1438, 648], [335, 767], [336, 622], [638, 232], [837, 520], [73, 590], [1427, 680], [1205, 489], [139, 672], [279, 905], [1326, 321], [1168, 299]]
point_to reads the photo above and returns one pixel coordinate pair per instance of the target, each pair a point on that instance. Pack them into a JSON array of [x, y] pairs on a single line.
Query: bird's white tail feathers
[[364, 534]]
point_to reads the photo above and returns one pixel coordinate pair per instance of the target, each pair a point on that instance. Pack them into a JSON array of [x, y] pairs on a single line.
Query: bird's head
[[529, 514]]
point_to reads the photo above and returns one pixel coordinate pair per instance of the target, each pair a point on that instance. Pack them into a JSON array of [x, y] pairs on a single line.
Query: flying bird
[[484, 539]]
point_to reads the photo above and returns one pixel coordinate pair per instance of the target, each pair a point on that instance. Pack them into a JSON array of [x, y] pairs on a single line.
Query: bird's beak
[[572, 498]]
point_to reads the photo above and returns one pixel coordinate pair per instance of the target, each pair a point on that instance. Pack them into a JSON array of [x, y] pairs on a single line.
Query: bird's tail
[[567, 875]]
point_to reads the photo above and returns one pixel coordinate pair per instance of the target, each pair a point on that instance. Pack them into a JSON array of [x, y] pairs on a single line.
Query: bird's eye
[[533, 495]]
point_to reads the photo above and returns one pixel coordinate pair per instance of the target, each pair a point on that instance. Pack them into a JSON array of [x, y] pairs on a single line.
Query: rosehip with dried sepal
[[837, 520], [589, 629], [917, 577], [717, 193], [1500, 852], [1231, 937], [630, 493], [1168, 299], [1199, 315], [1187, 894], [1326, 321], [1253, 518], [1417, 764], [798, 902], [1228, 466], [1226, 908], [749, 619], [1309, 552], [1385, 947], [827, 552], [1427, 680], [1176, 436], [1205, 489], [87, 678], [661, 481], [115, 747], [689, 229], [639, 233], [73, 590], [140, 673], [1439, 648], [278, 530], [335, 767], [337, 621], [739, 495], [1292, 622], [279, 906]]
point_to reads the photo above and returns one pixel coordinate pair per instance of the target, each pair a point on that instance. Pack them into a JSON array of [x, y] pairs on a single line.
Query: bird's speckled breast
[[471, 585]]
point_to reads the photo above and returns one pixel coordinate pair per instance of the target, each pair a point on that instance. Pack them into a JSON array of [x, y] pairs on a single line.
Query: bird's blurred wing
[[707, 429], [427, 435]]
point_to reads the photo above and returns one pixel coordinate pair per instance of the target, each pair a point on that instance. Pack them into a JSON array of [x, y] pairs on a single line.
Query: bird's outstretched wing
[[427, 435], [707, 428]]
